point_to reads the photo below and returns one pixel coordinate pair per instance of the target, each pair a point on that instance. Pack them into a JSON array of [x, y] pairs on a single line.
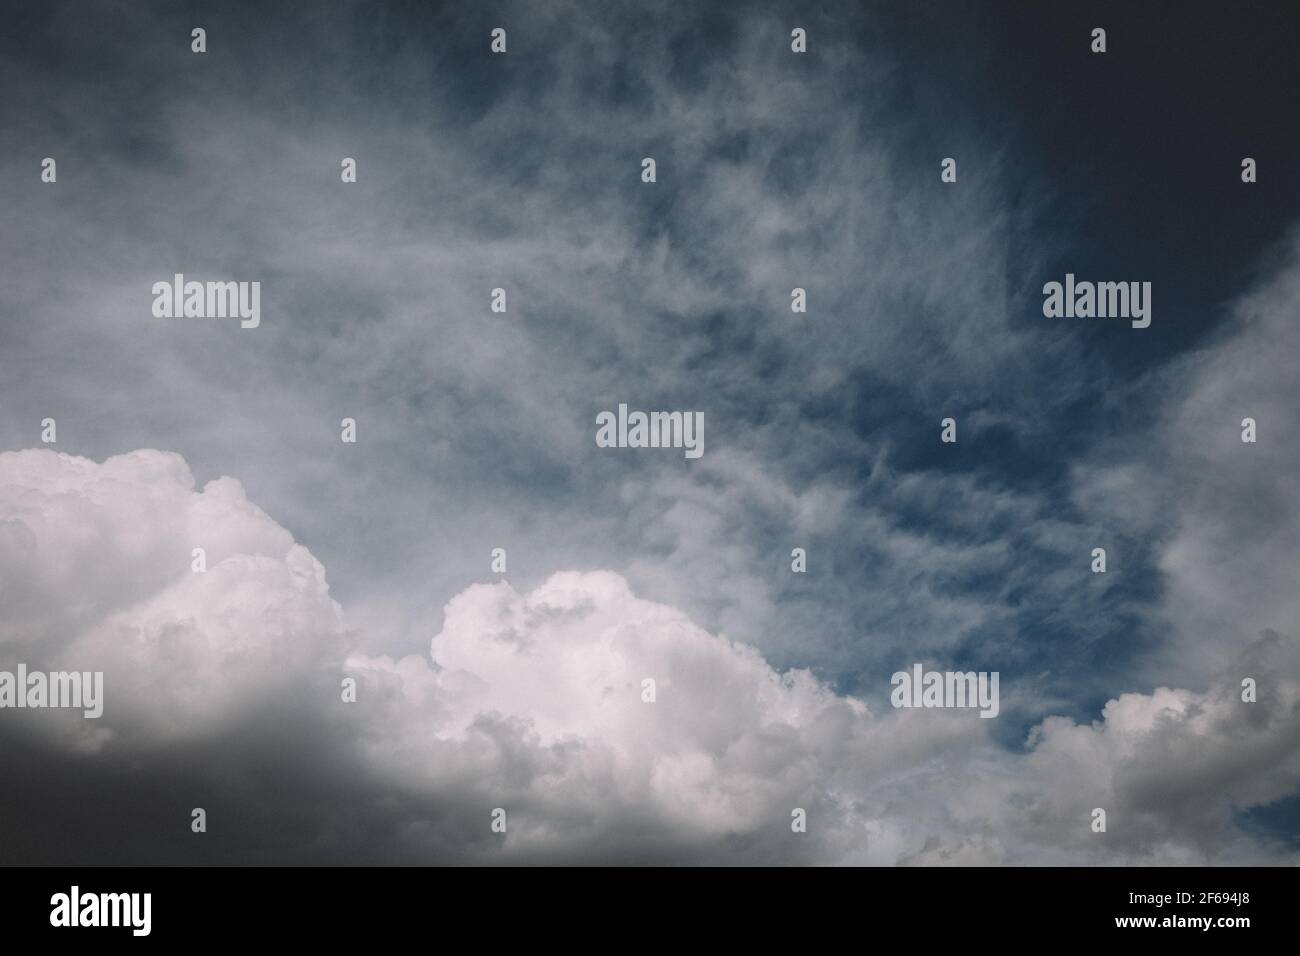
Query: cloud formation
[[535, 702], [775, 171]]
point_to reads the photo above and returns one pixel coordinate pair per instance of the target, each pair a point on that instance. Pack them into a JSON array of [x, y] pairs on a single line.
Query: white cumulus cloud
[[534, 702]]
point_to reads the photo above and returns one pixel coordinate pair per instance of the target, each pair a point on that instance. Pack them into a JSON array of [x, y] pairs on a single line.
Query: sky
[[478, 690]]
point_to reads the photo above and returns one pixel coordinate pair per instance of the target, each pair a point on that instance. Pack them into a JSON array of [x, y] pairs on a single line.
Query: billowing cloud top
[[539, 704]]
